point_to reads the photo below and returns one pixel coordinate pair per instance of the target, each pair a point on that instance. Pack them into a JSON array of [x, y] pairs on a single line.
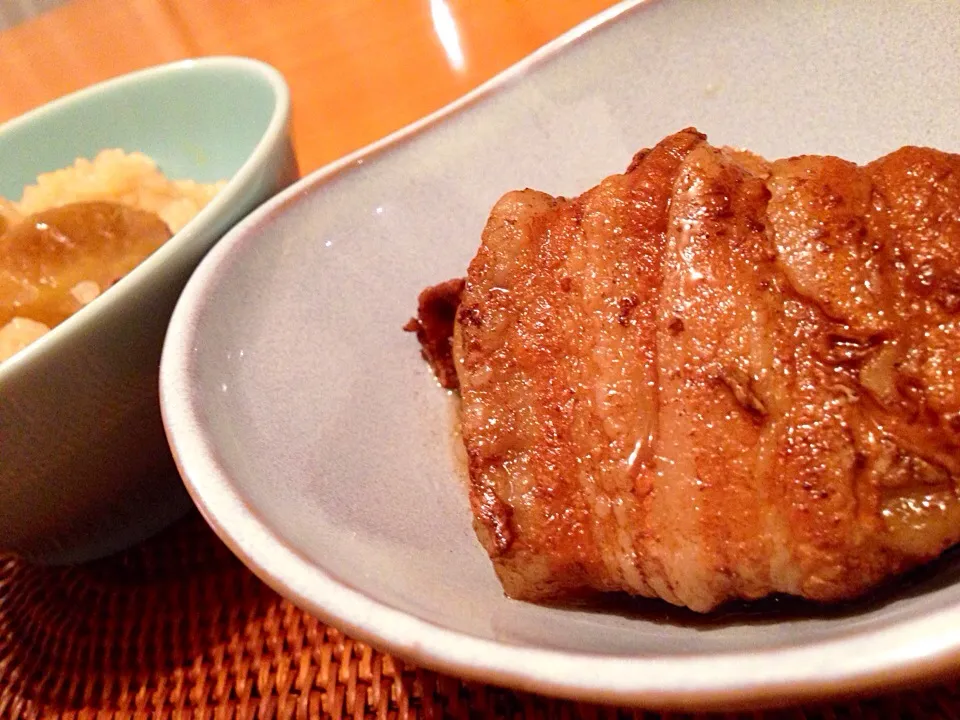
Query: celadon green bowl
[[84, 466]]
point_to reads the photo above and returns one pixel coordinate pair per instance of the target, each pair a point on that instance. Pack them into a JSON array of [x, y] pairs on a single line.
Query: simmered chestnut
[[54, 262]]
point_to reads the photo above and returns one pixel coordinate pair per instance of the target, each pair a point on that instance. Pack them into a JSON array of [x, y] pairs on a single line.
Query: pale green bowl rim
[[67, 331]]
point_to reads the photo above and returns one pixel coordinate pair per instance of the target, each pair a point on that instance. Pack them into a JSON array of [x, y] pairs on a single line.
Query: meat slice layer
[[712, 377]]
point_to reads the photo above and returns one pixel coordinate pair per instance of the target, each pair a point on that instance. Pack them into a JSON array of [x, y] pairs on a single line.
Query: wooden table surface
[[357, 69]]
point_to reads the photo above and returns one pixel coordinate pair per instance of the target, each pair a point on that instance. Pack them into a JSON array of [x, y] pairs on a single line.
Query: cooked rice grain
[[129, 178], [113, 176]]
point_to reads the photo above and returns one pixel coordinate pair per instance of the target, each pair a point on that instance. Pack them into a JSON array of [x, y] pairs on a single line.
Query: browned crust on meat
[[712, 377], [436, 311]]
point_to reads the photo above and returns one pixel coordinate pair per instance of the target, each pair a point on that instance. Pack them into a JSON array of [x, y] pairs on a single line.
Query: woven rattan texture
[[177, 628]]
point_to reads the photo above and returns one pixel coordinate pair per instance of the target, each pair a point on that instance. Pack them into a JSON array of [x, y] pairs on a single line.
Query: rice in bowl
[[132, 180]]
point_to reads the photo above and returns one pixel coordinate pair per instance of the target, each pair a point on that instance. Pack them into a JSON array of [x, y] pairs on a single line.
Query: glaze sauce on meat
[[712, 378]]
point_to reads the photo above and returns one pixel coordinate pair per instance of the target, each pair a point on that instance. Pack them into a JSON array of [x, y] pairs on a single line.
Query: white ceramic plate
[[317, 444]]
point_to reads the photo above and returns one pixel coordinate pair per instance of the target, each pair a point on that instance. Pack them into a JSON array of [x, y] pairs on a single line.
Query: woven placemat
[[178, 628]]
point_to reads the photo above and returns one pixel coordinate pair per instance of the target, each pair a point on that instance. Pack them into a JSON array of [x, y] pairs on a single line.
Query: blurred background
[[357, 69], [15, 11]]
